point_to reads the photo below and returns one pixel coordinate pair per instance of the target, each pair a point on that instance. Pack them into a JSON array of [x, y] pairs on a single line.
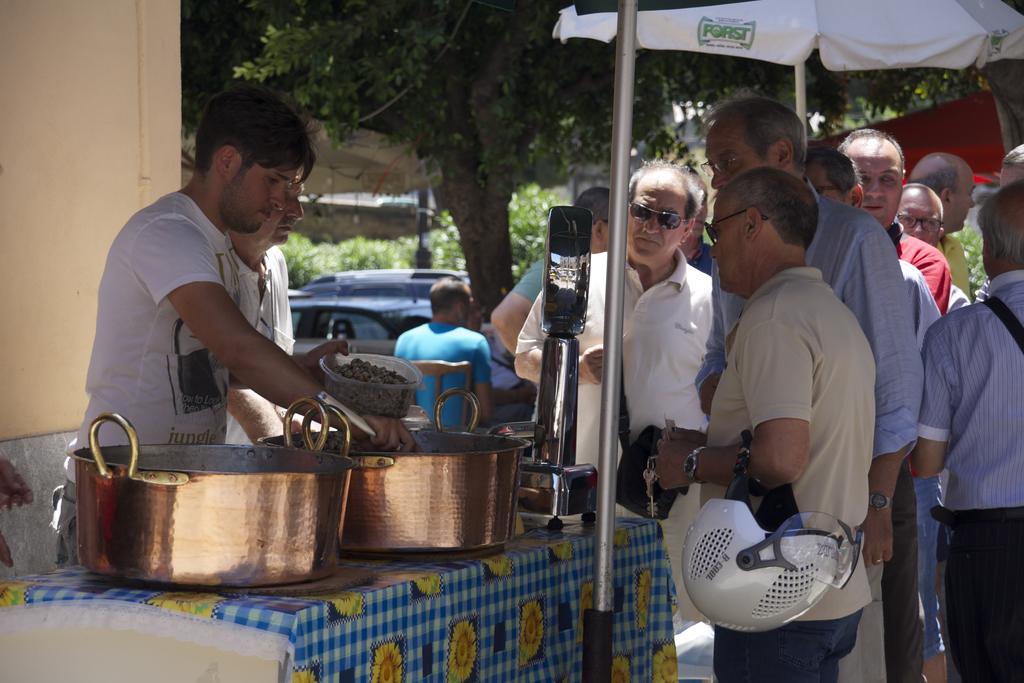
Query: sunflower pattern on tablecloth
[[426, 586], [500, 567], [665, 667], [341, 606], [12, 593], [195, 604], [531, 631], [388, 661], [308, 674], [560, 552], [620, 669], [418, 620], [642, 587], [586, 602], [463, 650]]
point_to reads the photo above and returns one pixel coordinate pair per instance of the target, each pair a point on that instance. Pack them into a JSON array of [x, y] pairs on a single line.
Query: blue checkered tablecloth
[[514, 616]]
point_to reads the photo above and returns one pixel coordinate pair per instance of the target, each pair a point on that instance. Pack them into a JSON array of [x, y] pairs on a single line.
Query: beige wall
[[90, 121]]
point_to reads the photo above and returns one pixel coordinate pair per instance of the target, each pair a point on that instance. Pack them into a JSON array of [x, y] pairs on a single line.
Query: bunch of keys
[[650, 476]]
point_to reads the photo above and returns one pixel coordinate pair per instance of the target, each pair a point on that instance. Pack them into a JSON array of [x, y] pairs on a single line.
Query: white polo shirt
[[664, 333]]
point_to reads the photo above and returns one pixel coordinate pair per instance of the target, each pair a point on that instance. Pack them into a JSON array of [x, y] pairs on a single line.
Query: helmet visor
[[808, 541]]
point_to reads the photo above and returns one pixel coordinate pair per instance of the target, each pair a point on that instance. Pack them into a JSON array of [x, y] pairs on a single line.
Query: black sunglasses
[[712, 231], [666, 219]]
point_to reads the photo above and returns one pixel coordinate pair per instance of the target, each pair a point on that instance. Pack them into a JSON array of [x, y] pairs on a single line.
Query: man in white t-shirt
[[169, 330]]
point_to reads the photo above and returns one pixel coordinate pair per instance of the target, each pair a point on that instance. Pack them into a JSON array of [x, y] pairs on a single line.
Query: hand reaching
[[13, 491], [310, 361], [592, 365]]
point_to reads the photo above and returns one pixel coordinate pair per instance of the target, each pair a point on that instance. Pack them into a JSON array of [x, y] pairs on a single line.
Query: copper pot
[[208, 515], [456, 492]]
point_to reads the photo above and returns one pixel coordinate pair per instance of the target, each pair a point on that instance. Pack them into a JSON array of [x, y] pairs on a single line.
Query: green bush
[[971, 239], [307, 260], [528, 218], [528, 225], [445, 244]]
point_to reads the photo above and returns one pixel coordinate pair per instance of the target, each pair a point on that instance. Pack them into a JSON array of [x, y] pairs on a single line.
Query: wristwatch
[[691, 463], [879, 501]]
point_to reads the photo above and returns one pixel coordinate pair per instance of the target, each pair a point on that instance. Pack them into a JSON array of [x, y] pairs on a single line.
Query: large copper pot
[[456, 492], [208, 515]]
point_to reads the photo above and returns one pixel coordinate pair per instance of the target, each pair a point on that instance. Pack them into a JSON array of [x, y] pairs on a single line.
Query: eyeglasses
[[713, 232], [910, 222], [667, 219], [293, 190], [720, 167]]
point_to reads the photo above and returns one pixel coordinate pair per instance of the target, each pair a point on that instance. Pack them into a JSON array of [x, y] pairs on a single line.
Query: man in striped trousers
[[972, 423]]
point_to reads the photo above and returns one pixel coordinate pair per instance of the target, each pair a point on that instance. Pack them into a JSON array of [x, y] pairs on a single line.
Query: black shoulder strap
[[623, 412], [1008, 319]]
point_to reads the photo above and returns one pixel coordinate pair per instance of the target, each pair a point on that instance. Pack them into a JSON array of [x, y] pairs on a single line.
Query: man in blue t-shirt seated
[[446, 338]]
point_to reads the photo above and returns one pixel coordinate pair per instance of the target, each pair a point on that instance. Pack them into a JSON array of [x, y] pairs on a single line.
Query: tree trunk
[[1006, 78], [481, 215]]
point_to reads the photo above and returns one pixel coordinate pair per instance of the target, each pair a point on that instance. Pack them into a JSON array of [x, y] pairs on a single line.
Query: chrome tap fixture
[[551, 482]]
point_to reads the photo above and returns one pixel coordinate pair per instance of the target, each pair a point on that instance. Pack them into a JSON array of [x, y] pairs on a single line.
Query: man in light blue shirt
[[972, 423], [447, 338], [859, 261]]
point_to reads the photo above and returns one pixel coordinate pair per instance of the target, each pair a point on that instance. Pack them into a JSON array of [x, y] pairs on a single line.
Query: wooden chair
[[439, 369]]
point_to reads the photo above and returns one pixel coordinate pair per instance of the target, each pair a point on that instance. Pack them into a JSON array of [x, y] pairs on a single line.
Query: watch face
[[878, 501]]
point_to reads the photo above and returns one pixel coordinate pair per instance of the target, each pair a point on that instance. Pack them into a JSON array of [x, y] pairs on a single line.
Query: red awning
[[968, 127]]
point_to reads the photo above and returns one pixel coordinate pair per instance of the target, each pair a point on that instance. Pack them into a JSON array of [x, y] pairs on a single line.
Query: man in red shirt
[[880, 171]]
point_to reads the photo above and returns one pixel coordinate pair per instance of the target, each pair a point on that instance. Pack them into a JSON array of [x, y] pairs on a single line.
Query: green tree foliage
[[484, 94], [527, 226]]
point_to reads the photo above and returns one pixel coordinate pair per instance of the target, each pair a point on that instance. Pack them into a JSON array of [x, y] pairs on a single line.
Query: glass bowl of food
[[371, 384]]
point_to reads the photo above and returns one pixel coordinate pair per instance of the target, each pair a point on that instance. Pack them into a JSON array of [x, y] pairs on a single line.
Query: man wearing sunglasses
[[858, 261], [666, 320]]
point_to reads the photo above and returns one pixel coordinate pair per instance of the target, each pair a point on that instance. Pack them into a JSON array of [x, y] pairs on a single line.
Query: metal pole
[[423, 256], [800, 87], [597, 646]]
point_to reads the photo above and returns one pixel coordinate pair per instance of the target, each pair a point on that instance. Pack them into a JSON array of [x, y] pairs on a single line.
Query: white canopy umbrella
[[850, 35]]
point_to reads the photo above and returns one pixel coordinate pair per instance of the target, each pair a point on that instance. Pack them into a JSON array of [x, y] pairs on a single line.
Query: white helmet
[[748, 579]]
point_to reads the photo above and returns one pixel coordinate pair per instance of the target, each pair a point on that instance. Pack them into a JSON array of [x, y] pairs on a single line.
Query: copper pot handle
[[155, 477], [308, 403], [325, 426], [474, 416], [361, 462], [94, 444]]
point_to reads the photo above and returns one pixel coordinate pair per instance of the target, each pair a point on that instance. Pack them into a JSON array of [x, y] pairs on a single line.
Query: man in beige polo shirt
[[800, 374]]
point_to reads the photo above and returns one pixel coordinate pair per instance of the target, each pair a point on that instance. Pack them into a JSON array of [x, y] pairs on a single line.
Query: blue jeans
[[799, 652], [928, 496]]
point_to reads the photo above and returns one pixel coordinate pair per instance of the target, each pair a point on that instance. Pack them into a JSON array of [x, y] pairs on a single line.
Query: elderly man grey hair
[[782, 198], [765, 121], [694, 189], [1002, 225]]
